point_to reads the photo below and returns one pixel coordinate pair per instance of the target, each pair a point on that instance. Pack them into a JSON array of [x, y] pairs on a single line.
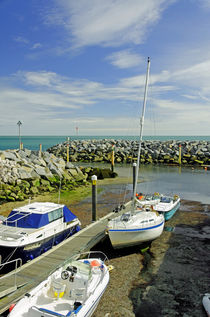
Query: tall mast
[[141, 130]]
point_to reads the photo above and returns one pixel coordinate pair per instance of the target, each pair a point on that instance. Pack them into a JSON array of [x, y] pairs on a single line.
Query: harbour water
[[33, 142], [189, 183]]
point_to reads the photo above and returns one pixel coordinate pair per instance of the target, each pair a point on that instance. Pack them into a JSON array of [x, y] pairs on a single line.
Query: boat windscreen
[[26, 220]]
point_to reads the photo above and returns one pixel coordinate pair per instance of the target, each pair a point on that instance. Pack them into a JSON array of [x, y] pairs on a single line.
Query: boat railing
[[146, 223], [93, 254], [7, 278], [7, 221]]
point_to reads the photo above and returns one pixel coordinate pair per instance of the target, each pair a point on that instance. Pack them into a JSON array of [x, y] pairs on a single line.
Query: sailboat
[[137, 224], [206, 303]]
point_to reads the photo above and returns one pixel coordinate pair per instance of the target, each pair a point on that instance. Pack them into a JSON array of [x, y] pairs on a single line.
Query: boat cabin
[[37, 215]]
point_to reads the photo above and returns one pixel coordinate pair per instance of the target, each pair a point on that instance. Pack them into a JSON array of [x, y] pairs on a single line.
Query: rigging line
[[141, 130], [9, 257]]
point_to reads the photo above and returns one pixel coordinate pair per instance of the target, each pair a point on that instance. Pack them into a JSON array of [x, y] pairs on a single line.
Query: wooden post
[[112, 159], [134, 177], [67, 150], [180, 154], [94, 192], [67, 153], [40, 150]]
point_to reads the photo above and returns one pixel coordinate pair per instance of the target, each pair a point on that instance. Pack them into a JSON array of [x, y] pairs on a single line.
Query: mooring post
[[134, 177], [67, 150], [40, 150], [112, 159], [180, 154], [94, 192]]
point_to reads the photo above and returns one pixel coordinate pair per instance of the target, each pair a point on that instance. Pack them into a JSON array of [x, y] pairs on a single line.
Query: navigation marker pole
[[94, 192], [20, 144]]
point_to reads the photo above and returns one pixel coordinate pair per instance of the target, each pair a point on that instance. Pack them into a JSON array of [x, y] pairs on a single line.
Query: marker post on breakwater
[[112, 159], [67, 150], [94, 198], [40, 150], [180, 154]]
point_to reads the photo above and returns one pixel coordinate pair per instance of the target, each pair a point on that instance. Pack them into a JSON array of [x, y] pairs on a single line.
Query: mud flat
[[169, 279]]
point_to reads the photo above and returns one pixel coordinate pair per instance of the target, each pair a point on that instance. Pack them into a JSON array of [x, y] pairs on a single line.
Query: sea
[[33, 142]]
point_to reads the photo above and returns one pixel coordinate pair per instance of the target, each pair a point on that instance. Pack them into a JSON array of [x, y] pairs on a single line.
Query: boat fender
[[78, 228], [110, 267], [102, 267], [95, 263], [11, 307]]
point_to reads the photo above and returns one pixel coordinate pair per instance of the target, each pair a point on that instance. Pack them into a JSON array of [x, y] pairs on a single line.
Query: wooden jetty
[[13, 286]]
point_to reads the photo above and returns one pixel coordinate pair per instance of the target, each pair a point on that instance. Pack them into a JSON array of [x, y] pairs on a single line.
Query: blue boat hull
[[34, 250], [169, 214]]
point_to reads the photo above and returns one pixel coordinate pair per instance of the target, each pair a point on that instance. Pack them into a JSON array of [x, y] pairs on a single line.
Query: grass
[[68, 198]]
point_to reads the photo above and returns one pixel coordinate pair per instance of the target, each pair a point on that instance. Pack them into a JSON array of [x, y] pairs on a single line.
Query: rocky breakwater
[[25, 173], [125, 151]]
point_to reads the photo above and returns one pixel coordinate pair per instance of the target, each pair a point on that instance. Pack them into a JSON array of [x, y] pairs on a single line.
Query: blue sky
[[67, 64]]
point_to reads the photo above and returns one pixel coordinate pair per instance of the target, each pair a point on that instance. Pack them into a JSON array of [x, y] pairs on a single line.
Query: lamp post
[[19, 124]]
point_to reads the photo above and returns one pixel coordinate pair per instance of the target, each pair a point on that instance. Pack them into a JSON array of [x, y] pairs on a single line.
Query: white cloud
[[205, 4], [20, 39], [106, 23], [36, 45], [125, 59], [179, 98]]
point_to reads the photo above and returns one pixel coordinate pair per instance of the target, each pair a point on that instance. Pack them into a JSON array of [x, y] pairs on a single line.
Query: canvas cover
[[34, 220], [26, 220], [68, 215]]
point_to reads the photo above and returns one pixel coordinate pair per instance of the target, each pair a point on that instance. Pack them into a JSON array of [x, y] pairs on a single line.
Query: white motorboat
[[166, 205], [206, 303], [136, 225], [74, 289], [33, 229]]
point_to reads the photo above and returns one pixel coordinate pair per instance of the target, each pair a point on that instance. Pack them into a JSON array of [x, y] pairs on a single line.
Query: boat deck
[[14, 286]]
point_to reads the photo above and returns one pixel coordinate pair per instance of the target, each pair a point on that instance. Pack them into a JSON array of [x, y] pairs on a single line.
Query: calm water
[[188, 183], [33, 142]]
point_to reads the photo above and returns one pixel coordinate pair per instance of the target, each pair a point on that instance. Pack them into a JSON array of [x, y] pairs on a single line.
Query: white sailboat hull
[[206, 303], [136, 231]]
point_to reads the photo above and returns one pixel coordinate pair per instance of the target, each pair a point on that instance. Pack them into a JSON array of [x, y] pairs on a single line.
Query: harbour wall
[[125, 151], [25, 173]]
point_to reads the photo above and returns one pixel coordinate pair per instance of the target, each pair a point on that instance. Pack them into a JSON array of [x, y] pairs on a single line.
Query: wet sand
[[169, 279]]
